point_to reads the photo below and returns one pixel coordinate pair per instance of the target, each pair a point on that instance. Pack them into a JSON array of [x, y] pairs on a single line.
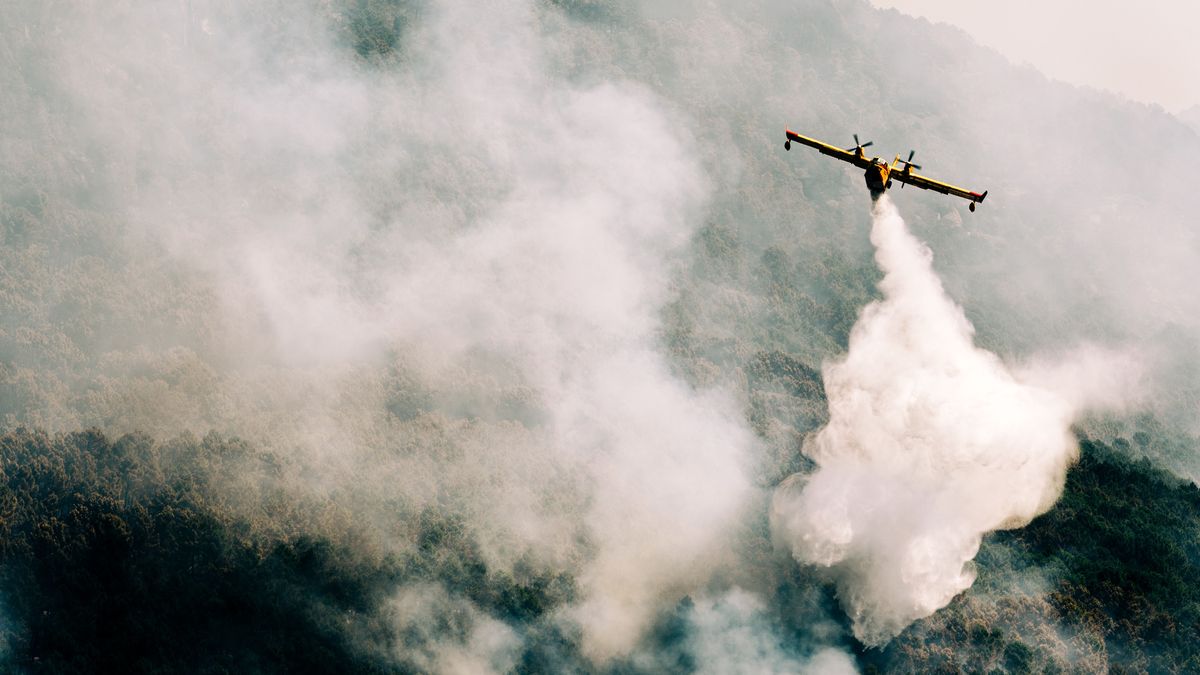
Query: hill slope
[[384, 256]]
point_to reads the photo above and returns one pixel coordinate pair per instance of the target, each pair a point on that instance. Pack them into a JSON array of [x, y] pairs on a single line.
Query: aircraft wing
[[826, 149], [917, 180]]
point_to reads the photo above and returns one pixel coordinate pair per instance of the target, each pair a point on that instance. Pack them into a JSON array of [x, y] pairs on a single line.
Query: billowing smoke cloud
[[468, 208], [931, 443], [425, 615], [731, 634]]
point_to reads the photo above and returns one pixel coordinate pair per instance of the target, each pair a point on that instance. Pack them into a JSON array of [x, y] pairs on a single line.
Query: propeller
[[909, 160], [858, 145]]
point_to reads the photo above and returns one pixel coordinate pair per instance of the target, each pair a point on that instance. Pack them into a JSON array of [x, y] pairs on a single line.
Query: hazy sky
[[1145, 50]]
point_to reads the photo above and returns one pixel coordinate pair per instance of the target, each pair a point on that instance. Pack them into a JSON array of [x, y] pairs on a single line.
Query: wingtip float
[[880, 174]]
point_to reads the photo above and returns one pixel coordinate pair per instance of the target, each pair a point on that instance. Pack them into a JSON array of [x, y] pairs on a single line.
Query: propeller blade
[[909, 161], [859, 145]]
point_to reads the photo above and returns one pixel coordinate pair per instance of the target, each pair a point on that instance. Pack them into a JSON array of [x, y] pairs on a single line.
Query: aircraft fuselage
[[877, 178]]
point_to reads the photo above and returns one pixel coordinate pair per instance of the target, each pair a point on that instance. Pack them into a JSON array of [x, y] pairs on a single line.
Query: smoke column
[[931, 443], [476, 213]]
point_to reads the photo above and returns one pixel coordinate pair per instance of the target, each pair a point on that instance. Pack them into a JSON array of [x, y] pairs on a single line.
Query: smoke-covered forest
[[434, 336]]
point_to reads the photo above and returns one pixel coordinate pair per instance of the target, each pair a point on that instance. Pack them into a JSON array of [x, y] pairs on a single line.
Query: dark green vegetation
[[134, 556], [1127, 539], [1106, 581], [120, 556], [376, 29]]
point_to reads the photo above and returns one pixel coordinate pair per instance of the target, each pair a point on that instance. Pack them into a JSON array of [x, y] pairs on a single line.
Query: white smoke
[[469, 203], [481, 644], [564, 274], [731, 634], [931, 443]]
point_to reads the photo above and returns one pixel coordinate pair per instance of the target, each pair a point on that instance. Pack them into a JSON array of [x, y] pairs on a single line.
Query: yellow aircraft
[[880, 174]]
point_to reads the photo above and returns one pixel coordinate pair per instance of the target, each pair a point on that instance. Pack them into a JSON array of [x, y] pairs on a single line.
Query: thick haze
[[1142, 50], [543, 269]]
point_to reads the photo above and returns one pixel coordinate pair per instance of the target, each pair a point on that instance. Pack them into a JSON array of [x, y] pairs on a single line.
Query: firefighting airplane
[[879, 174]]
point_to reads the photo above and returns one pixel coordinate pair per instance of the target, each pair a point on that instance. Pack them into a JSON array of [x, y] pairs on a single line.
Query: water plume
[[931, 443]]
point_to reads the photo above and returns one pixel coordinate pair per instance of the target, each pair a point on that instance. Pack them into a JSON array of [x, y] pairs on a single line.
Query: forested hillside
[[1111, 586], [116, 552], [407, 336]]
